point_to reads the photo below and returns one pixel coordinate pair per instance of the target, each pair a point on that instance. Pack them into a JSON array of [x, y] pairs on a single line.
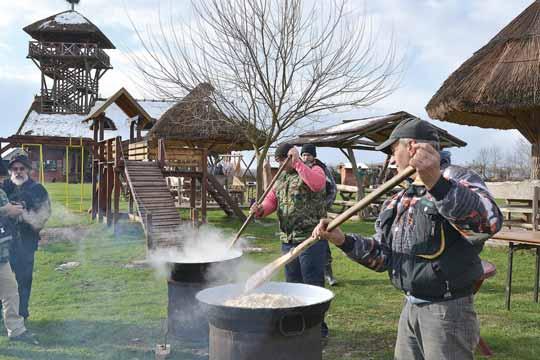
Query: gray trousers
[[443, 330]]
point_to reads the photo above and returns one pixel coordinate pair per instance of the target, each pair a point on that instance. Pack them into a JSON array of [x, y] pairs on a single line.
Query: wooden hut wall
[[54, 158]]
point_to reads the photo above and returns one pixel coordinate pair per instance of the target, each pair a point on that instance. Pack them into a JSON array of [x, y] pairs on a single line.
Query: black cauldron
[[263, 333]]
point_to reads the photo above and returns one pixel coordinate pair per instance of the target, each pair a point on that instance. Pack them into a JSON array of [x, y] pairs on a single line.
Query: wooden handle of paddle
[[374, 195], [259, 201], [263, 275]]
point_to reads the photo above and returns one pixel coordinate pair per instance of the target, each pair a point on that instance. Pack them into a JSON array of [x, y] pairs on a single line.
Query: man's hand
[[335, 236], [12, 210], [427, 162], [256, 210], [294, 155]]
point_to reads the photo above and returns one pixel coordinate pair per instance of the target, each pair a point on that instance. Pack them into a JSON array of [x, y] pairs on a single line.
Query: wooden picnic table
[[519, 240]]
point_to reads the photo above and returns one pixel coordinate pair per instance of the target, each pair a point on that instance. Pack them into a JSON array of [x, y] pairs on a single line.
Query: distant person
[[299, 198], [428, 238], [9, 292], [34, 199], [309, 157]]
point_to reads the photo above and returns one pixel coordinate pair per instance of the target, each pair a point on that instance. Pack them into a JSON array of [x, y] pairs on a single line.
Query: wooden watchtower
[[69, 51]]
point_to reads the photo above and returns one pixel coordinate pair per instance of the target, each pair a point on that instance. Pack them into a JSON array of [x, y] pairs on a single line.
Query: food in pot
[[260, 300]]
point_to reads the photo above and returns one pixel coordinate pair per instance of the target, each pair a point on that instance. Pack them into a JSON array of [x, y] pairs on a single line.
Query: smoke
[[37, 218]]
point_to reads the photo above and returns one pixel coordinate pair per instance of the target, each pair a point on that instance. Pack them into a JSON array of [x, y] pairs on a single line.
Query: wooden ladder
[[155, 204], [223, 199]]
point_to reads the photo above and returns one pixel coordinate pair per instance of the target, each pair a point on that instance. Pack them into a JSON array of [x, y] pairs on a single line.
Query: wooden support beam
[[384, 169], [116, 170], [192, 200], [204, 187], [110, 181]]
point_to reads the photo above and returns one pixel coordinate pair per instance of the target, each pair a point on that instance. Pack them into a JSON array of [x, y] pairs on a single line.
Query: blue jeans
[[308, 268]]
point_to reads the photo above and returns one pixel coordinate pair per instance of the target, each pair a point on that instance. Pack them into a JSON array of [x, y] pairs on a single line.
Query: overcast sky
[[435, 36]]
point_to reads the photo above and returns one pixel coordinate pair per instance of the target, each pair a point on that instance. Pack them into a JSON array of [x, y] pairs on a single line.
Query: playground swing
[[41, 175], [81, 187]]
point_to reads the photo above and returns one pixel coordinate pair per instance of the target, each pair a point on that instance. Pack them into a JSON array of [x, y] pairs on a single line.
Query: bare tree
[[271, 63]]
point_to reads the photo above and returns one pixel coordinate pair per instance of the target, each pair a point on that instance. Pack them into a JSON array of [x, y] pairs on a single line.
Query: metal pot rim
[[234, 254], [310, 294]]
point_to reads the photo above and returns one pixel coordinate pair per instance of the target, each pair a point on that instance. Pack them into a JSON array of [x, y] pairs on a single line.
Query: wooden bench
[[518, 240], [521, 202]]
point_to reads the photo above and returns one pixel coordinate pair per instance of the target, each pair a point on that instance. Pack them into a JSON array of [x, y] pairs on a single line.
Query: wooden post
[[383, 170], [192, 199], [359, 183], [535, 161], [148, 228], [116, 170], [132, 132], [204, 185], [95, 171], [161, 153], [110, 181], [102, 181]]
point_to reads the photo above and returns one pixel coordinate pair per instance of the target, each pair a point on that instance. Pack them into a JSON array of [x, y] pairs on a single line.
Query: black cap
[[411, 128], [310, 149], [282, 150], [23, 159]]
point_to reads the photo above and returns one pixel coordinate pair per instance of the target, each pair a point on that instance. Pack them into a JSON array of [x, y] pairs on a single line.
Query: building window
[[51, 165]]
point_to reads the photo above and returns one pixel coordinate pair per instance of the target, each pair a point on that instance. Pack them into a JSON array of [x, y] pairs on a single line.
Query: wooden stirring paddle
[[264, 274]]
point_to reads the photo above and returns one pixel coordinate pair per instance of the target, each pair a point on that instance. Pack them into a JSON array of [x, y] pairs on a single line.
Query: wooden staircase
[[155, 204], [221, 196]]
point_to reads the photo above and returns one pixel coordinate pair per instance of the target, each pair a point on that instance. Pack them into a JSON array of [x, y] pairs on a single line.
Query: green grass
[[102, 310]]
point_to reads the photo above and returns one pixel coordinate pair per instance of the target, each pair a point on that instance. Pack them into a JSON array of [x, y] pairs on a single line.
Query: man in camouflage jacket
[[299, 199], [428, 238]]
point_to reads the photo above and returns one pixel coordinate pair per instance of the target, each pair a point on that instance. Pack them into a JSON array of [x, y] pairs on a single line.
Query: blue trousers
[[308, 268], [22, 262]]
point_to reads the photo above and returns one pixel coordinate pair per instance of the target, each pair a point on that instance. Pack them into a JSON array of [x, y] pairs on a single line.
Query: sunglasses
[[18, 168]]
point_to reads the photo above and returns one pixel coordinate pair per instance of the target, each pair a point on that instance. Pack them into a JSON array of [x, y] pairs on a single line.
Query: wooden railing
[[39, 49]]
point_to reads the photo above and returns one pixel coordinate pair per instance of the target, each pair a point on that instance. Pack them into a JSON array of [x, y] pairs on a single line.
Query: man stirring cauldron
[[34, 199], [428, 238], [299, 198]]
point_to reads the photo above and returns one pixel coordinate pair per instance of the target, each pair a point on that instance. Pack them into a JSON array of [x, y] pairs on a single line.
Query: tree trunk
[[261, 157], [535, 161]]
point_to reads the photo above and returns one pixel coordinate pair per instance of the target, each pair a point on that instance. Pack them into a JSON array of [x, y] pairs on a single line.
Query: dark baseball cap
[[23, 159], [282, 150], [411, 128]]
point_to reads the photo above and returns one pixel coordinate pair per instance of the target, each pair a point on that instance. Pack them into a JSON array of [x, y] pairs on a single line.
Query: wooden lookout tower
[[69, 51]]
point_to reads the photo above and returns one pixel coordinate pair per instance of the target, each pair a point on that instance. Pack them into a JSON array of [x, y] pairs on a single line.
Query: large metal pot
[[262, 333], [186, 319], [194, 271]]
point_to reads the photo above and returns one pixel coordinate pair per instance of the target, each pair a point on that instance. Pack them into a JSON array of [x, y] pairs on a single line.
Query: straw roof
[[68, 26], [195, 121], [498, 87]]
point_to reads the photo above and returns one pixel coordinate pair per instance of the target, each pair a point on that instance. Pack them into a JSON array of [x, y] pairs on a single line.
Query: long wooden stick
[[263, 275], [259, 201]]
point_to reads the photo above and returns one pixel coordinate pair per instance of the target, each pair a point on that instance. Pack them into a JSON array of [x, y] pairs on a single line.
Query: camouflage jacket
[[429, 241], [299, 208], [5, 233]]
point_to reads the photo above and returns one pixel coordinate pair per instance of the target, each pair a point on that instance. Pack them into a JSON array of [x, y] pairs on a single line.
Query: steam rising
[[205, 244]]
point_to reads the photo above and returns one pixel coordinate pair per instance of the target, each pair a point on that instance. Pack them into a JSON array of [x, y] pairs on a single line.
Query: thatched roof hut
[[195, 121], [498, 87], [68, 26]]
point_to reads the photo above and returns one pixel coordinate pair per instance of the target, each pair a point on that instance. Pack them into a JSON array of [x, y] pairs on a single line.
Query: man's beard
[[19, 179]]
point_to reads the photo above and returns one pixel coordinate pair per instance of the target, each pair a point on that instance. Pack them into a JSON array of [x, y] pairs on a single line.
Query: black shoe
[[26, 337]]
